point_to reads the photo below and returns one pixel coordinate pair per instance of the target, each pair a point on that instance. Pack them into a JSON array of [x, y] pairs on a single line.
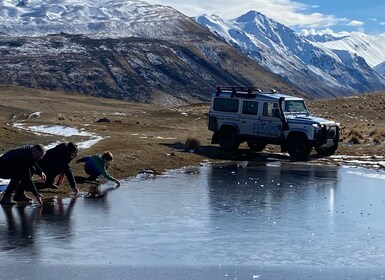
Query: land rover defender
[[239, 114]]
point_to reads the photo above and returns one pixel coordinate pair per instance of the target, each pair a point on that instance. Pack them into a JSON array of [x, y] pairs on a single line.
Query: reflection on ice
[[249, 214], [363, 172]]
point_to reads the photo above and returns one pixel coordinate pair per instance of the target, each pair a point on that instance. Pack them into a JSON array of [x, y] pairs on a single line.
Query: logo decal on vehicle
[[267, 128]]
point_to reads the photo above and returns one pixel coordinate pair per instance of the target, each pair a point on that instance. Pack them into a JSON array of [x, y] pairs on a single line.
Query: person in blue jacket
[[96, 166]]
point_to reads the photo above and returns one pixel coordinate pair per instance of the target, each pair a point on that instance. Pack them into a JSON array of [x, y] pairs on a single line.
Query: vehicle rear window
[[226, 105]]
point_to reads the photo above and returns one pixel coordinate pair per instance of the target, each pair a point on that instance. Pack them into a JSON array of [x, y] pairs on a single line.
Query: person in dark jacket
[[19, 164], [56, 162], [96, 166]]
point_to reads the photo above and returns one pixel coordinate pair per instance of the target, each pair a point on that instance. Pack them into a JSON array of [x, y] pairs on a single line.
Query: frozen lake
[[264, 215]]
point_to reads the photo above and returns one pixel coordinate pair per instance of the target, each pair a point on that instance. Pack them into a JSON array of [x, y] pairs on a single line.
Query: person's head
[[38, 151], [72, 150], [107, 156]]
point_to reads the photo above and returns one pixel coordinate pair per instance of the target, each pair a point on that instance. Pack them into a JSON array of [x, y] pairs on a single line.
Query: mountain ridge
[[160, 56], [369, 47], [311, 67], [152, 53]]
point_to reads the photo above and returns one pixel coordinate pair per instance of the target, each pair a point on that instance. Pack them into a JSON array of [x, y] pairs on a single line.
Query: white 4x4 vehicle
[[239, 114]]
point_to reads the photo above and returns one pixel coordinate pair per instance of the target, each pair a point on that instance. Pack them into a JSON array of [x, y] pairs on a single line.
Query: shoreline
[[145, 136]]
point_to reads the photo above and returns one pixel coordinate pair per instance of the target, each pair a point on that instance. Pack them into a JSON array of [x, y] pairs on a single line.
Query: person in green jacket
[[96, 166]]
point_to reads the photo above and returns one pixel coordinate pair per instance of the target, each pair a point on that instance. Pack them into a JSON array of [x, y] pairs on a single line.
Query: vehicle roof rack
[[235, 90]]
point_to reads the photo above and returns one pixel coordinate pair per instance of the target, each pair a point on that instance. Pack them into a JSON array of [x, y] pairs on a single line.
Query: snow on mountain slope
[[369, 47], [380, 68], [313, 68], [102, 18], [123, 49]]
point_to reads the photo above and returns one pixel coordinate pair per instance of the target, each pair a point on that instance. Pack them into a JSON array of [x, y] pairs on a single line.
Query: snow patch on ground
[[372, 162], [65, 131]]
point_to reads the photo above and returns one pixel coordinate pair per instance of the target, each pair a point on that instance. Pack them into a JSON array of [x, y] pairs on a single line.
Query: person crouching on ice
[[96, 166], [56, 162], [19, 164]]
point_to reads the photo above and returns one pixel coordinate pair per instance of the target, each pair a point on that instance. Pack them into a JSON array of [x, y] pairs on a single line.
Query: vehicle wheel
[[256, 147], [327, 152], [298, 147], [228, 139]]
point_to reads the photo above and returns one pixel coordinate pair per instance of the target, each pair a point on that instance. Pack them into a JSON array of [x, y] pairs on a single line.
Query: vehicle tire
[[298, 147], [327, 152], [256, 147], [228, 139]]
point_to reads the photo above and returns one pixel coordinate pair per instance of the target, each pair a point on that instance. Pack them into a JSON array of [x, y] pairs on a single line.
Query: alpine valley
[[131, 50]]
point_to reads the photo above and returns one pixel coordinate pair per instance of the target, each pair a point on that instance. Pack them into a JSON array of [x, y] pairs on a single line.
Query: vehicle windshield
[[295, 107]]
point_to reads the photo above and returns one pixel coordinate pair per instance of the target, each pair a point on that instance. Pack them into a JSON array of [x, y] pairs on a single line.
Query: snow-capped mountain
[[380, 68], [369, 47], [313, 68], [124, 49], [99, 18]]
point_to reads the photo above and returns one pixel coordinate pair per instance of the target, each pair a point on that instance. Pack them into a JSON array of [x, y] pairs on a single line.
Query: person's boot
[[21, 197], [7, 200]]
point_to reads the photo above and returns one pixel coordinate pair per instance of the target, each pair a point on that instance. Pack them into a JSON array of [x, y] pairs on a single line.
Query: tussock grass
[[355, 133], [377, 135], [355, 137], [192, 144]]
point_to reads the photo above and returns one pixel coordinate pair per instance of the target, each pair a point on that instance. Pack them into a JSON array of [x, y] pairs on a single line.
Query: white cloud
[[328, 31], [382, 23], [355, 23]]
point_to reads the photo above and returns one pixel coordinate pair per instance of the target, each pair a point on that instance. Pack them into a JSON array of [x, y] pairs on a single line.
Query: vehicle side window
[[226, 105], [270, 109], [250, 107]]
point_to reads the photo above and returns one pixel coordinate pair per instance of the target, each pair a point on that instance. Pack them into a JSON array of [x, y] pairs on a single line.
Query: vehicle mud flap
[[215, 138]]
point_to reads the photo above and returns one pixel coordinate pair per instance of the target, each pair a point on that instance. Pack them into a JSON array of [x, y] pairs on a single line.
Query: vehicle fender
[[230, 124], [298, 132]]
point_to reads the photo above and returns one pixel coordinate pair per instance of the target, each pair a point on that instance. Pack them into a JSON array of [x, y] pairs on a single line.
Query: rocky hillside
[[134, 69], [127, 50]]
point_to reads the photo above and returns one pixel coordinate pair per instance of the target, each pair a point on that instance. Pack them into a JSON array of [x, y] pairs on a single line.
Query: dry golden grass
[[146, 136], [362, 121]]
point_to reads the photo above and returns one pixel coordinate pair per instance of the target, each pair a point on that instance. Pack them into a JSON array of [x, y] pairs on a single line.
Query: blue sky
[[366, 16]]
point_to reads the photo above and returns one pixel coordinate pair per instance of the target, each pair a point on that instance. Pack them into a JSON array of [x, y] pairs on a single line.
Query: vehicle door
[[249, 117], [267, 123]]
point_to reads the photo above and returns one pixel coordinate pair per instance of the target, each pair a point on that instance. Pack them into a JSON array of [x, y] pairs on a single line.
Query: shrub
[[354, 140], [192, 144], [377, 140], [374, 132], [356, 134]]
